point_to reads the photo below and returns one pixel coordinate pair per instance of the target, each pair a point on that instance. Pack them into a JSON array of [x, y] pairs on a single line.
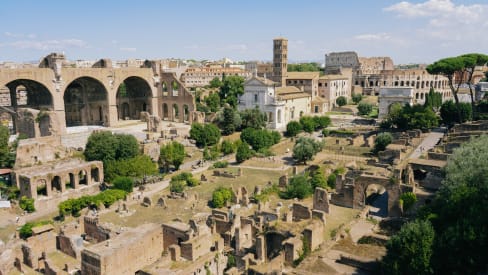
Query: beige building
[[201, 76], [331, 86], [281, 104], [371, 74]]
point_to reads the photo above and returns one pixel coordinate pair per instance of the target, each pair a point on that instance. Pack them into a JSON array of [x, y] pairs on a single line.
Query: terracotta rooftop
[[302, 75], [290, 92]]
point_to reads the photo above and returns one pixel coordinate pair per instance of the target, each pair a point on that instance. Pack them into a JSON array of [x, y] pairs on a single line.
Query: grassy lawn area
[[183, 209]]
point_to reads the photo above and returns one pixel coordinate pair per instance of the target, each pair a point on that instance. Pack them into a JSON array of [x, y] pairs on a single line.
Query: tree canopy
[[341, 101], [253, 118], [205, 134], [105, 146], [232, 87], [459, 239], [305, 149], [381, 141], [172, 153]]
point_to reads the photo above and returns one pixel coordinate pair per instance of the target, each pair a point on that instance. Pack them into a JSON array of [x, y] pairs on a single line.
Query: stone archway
[[26, 94], [392, 188], [82, 177], [85, 102], [133, 97], [165, 111], [56, 184]]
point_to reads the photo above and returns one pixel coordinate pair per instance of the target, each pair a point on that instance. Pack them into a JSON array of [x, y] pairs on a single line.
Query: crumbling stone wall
[[94, 230], [127, 253]]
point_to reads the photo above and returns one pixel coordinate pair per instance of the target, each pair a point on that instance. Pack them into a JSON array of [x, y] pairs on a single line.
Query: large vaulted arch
[[23, 93], [133, 97], [85, 102]]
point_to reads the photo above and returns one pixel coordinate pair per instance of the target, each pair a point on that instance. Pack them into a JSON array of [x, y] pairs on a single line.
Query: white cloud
[[19, 35], [442, 13], [373, 36], [128, 49], [48, 44]]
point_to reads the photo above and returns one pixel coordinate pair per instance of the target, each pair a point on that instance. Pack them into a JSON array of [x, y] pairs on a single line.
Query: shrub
[[177, 186], [172, 153], [305, 149], [341, 101], [212, 153], [298, 187], [124, 183], [318, 180], [243, 152], [321, 122], [74, 206], [227, 147], [293, 128], [308, 124], [26, 230], [205, 134], [356, 98], [364, 108], [260, 138], [381, 141], [221, 164], [221, 196], [136, 167], [27, 204], [408, 199]]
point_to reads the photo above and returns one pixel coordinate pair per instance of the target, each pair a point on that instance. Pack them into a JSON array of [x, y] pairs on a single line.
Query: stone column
[[260, 249]]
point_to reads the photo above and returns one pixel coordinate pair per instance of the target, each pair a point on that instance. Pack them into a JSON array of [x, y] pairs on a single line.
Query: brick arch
[[392, 187]]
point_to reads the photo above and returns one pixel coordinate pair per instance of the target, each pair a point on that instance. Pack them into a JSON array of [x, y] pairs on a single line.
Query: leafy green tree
[[341, 101], [305, 149], [205, 134], [321, 122], [298, 187], [304, 67], [318, 180], [211, 153], [356, 98], [101, 146], [308, 124], [410, 117], [382, 140], [433, 99], [215, 83], [457, 212], [243, 152], [232, 87], [229, 122], [227, 147], [213, 102], [293, 128], [221, 196], [459, 67], [471, 61], [127, 146], [124, 183], [410, 251], [253, 118], [136, 167], [450, 113], [364, 108], [172, 153], [259, 139]]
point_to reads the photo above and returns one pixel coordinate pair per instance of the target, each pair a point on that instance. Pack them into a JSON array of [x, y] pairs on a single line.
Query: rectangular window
[[255, 97]]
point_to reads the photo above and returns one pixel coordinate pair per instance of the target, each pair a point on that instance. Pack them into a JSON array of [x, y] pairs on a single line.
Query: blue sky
[[409, 32]]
